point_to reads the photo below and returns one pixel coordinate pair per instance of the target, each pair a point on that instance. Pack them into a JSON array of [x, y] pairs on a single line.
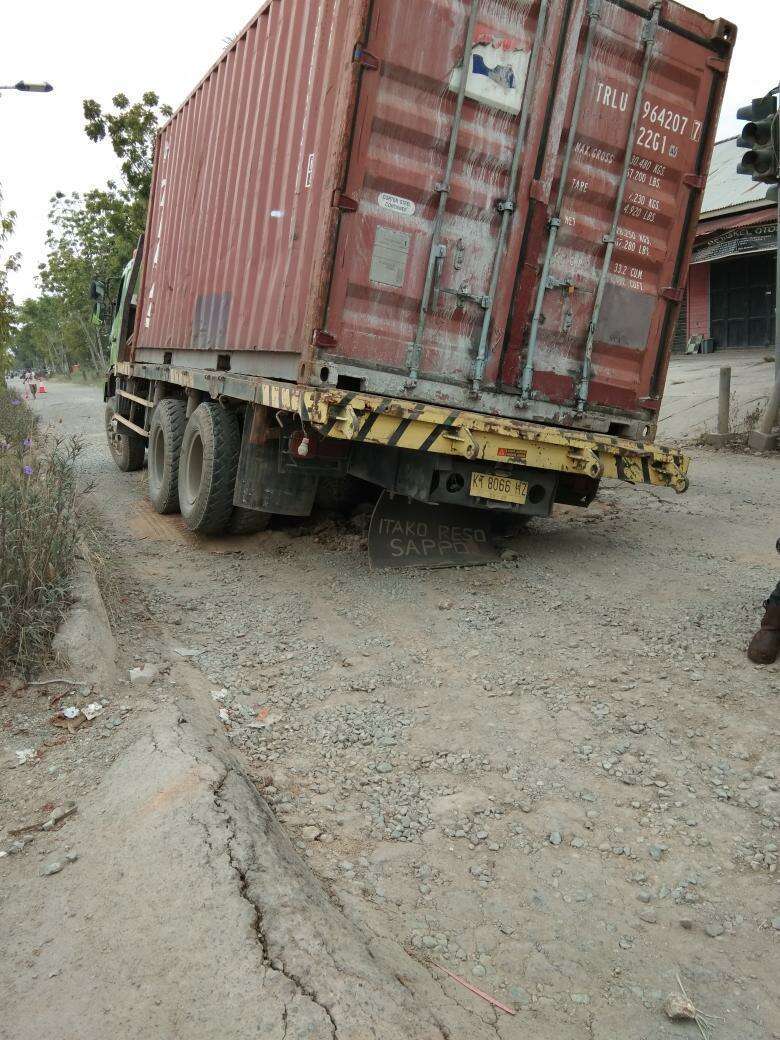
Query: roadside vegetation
[[743, 420], [38, 535], [91, 236], [8, 262]]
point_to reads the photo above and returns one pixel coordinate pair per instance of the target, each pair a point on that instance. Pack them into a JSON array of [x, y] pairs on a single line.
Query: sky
[[86, 49]]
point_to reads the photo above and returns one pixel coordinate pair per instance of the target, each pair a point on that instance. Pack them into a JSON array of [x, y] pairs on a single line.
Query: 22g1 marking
[[655, 141]]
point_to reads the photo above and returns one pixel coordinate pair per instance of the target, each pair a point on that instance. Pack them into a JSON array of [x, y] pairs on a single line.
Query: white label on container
[[498, 73], [310, 170], [396, 204], [148, 319], [390, 256]]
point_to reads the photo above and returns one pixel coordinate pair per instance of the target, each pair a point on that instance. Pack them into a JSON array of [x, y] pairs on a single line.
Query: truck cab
[[124, 314]]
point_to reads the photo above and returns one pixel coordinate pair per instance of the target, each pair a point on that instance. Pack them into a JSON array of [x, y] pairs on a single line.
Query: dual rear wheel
[[193, 465], [192, 468]]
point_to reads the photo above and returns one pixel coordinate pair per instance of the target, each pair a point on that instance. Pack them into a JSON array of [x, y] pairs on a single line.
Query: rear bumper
[[370, 419], [363, 418]]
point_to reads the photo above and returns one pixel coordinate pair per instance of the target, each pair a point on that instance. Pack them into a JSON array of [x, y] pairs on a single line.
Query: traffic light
[[761, 136]]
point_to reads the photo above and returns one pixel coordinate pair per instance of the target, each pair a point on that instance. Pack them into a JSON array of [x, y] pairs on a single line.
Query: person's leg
[[765, 645]]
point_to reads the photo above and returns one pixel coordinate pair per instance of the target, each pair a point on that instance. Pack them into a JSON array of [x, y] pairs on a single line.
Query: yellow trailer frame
[[367, 418]]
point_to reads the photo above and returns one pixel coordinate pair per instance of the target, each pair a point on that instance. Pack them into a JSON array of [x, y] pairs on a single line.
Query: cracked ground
[[556, 777]]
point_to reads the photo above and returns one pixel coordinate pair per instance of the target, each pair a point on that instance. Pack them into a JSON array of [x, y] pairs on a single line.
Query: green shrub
[[37, 534]]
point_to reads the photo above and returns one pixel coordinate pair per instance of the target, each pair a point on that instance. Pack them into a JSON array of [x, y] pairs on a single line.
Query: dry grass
[[38, 534], [742, 422]]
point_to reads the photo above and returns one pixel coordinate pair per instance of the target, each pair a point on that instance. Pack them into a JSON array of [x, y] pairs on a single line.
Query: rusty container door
[[432, 183], [518, 243], [238, 236], [607, 255]]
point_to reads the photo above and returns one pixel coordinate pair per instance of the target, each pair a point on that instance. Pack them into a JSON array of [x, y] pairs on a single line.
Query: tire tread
[[221, 441], [171, 415]]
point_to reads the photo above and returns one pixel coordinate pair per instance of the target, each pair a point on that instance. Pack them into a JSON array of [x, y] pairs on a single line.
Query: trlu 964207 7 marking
[[665, 124]]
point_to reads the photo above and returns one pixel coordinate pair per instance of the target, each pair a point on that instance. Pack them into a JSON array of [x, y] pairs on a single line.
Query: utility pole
[[761, 136]]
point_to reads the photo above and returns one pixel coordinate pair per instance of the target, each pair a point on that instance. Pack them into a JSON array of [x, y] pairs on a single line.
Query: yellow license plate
[[500, 489]]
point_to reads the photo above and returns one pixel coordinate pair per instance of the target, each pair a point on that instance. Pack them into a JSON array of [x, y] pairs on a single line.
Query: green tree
[[92, 235], [131, 128], [8, 262], [40, 334]]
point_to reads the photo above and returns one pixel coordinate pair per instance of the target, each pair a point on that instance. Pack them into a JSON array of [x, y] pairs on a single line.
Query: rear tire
[[165, 437], [207, 468], [127, 448]]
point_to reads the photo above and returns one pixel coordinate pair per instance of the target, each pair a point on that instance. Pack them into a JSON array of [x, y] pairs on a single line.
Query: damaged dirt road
[[557, 778]]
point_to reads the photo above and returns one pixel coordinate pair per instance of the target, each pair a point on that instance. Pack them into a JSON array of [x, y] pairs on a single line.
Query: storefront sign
[[759, 239]]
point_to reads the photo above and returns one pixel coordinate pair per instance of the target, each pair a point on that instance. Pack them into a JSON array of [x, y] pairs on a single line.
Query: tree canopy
[[91, 235], [131, 130]]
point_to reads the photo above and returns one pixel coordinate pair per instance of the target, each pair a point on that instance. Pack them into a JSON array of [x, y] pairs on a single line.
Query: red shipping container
[[334, 204]]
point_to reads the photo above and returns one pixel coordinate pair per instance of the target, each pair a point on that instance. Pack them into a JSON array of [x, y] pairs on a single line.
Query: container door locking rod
[[594, 13], [443, 190], [649, 32], [507, 206]]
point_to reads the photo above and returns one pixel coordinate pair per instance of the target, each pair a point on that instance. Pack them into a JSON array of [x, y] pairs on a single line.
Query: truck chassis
[[290, 438]]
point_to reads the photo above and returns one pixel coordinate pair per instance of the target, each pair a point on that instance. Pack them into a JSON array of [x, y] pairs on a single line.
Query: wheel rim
[[114, 442], [156, 457], [193, 470]]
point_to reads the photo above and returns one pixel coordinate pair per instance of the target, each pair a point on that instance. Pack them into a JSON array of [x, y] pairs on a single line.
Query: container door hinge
[[694, 181], [323, 340], [673, 294], [344, 202], [365, 58]]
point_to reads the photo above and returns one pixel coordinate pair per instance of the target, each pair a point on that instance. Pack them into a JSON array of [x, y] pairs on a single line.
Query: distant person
[[765, 645], [34, 386]]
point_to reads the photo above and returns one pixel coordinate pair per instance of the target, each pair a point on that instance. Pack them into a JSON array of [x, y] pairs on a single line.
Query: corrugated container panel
[[246, 251], [405, 119], [656, 216], [244, 174]]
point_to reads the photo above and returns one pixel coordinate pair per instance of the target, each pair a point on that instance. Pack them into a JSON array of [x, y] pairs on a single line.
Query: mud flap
[[261, 483], [406, 533]]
